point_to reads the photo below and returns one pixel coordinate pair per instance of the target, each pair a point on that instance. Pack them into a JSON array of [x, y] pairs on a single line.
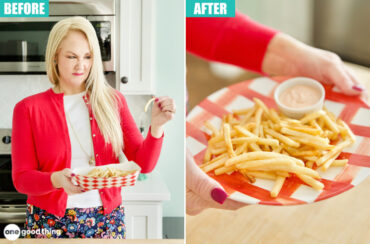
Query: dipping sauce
[[300, 96]]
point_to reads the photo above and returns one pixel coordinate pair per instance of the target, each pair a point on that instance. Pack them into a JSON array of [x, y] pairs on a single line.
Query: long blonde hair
[[103, 99]]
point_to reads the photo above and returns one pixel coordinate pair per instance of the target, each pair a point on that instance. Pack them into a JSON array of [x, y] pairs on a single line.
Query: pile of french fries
[[108, 172], [260, 143]]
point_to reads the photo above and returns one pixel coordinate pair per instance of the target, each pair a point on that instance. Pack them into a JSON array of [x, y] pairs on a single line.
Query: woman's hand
[[204, 192], [287, 56], [62, 179], [163, 110]]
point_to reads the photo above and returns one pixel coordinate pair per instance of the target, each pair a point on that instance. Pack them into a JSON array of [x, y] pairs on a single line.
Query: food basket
[[92, 183]]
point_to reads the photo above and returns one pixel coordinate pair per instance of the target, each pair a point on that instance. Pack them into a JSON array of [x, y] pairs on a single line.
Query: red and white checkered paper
[[294, 191], [92, 183]]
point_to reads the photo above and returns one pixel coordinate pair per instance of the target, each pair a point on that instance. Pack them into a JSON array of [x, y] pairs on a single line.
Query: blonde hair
[[103, 99]]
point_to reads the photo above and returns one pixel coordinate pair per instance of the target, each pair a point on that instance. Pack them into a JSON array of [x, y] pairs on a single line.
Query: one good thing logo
[[12, 232]]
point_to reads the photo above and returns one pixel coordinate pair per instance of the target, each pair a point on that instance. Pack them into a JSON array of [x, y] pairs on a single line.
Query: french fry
[[258, 121], [242, 111], [277, 186], [260, 155], [338, 148], [247, 116], [216, 164], [282, 138], [309, 164], [315, 184], [224, 170], [328, 162], [211, 128], [227, 139], [262, 174], [312, 116], [207, 155], [148, 103], [331, 124], [257, 164], [339, 162], [216, 151], [346, 131], [303, 135]]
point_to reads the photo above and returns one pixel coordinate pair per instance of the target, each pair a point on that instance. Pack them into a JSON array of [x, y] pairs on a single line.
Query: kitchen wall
[[281, 14], [14, 88], [170, 81]]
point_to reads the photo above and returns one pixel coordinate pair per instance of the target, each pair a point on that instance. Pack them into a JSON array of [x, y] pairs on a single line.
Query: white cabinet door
[[143, 220], [136, 40]]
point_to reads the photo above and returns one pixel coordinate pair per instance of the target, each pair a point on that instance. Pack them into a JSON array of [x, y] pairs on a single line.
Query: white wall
[[170, 81]]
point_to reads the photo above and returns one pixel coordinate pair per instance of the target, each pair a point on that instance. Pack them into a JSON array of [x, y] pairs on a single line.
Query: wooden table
[[342, 219]]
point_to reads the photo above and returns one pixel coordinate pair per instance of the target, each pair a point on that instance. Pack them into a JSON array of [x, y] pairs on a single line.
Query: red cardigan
[[235, 40], [41, 146]]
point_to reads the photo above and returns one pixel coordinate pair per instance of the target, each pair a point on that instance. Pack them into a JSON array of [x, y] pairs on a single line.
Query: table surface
[[341, 219]]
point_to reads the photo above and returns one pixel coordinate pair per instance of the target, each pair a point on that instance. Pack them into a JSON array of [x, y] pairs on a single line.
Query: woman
[[250, 45], [80, 122]]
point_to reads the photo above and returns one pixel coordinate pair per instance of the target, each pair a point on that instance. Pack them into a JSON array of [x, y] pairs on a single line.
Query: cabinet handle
[[7, 139], [124, 79]]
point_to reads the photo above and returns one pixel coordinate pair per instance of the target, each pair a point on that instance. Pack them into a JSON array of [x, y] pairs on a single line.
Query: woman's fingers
[[67, 172], [196, 204], [67, 184], [72, 189], [201, 184], [364, 94], [168, 108], [165, 101], [339, 77]]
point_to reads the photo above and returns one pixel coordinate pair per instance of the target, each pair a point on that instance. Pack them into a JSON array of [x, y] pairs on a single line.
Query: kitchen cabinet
[[143, 207], [136, 47]]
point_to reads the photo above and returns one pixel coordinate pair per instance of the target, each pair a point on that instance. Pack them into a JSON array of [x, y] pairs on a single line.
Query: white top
[[78, 113]]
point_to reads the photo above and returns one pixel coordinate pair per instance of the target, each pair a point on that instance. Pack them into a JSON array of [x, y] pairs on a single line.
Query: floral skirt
[[76, 223]]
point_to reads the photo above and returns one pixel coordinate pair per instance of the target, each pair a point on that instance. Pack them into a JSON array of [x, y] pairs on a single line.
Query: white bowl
[[297, 113]]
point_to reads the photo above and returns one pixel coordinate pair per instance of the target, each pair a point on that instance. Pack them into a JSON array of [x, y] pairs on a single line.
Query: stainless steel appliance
[[23, 40], [342, 26], [12, 203]]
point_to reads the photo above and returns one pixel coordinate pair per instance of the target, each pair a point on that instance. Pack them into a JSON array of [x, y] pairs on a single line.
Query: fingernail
[[160, 106], [219, 195], [73, 174], [156, 99], [358, 87], [83, 190]]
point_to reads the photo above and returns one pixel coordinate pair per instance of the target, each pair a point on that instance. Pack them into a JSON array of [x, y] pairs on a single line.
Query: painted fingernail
[[72, 174], [156, 99], [358, 87], [219, 195], [83, 190]]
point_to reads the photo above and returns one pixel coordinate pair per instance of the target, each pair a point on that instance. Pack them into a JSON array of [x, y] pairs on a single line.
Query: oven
[[12, 203], [23, 40]]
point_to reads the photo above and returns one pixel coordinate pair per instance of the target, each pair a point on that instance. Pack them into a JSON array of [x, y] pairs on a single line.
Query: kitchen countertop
[[151, 189], [341, 219]]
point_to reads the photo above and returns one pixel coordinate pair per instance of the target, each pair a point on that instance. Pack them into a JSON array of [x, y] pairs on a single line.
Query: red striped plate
[[336, 179]]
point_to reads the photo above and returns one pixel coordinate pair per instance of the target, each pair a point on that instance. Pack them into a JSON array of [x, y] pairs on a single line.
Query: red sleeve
[[27, 178], [239, 40], [143, 152]]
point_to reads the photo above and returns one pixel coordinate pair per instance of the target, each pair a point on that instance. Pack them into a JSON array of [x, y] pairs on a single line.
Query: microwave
[[23, 40]]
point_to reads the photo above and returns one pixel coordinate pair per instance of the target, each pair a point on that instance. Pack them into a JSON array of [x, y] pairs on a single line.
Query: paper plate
[[91, 183], [294, 191]]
